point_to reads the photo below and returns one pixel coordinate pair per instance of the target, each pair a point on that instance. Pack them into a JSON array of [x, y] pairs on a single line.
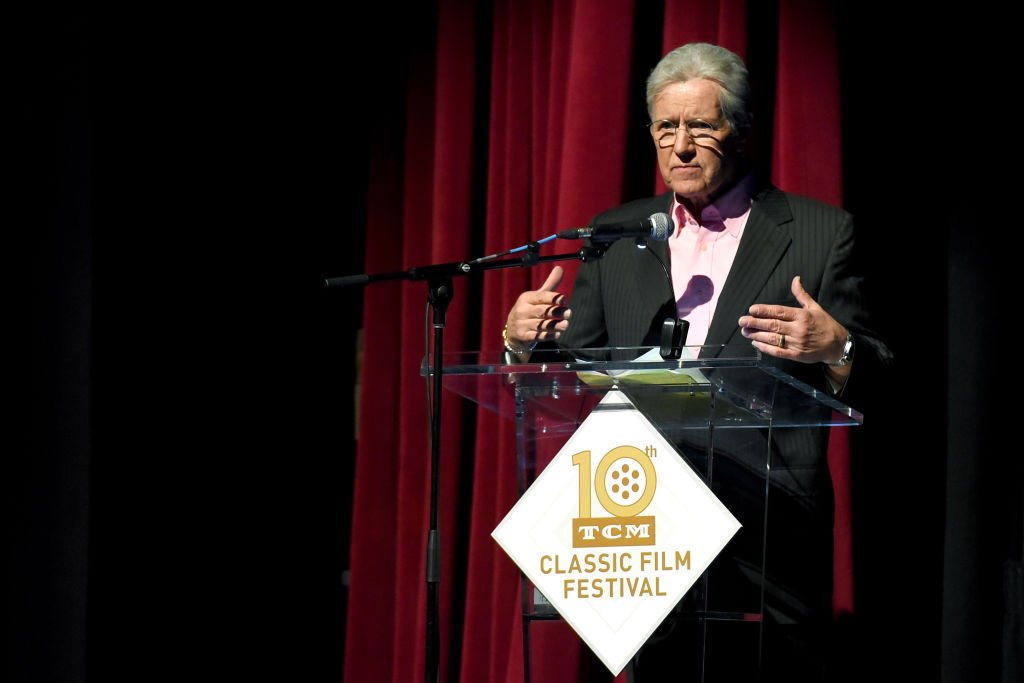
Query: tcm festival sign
[[615, 530]]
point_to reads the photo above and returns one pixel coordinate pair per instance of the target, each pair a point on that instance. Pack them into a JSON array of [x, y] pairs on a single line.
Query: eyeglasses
[[664, 131]]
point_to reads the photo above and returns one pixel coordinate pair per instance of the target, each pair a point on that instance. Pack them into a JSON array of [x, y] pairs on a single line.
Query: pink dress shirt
[[703, 250]]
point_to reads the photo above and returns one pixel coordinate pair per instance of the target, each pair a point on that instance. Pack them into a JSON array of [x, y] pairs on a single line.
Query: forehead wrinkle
[[691, 99]]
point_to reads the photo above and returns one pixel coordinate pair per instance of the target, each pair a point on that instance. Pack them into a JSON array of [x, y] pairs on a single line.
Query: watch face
[[847, 351]]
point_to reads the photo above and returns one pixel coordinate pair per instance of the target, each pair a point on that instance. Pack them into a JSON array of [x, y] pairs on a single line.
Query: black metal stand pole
[[440, 294]]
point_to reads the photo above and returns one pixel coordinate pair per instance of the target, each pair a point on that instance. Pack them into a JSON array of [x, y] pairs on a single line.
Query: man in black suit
[[745, 261]]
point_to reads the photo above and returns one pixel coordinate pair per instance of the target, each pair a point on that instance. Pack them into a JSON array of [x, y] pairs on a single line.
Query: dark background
[[179, 505]]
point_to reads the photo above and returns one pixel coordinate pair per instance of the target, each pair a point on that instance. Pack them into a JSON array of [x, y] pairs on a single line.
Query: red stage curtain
[[518, 119]]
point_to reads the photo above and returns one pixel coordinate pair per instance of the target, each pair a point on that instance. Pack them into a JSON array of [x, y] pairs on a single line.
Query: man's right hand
[[539, 315]]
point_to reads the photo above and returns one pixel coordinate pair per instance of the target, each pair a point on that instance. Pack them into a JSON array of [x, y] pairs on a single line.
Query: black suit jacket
[[623, 298]]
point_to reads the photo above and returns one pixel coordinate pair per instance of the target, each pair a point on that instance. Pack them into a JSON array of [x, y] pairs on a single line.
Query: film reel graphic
[[624, 482]]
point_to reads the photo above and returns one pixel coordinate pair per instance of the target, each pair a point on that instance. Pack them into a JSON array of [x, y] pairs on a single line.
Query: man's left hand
[[807, 334]]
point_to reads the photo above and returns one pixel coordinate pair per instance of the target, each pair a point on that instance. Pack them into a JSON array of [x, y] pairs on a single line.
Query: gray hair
[[704, 60]]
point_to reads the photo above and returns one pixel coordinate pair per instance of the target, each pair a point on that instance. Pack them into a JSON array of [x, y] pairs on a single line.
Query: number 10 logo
[[624, 484]]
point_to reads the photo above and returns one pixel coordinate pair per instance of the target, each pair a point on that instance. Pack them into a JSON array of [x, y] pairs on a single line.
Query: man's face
[[701, 166]]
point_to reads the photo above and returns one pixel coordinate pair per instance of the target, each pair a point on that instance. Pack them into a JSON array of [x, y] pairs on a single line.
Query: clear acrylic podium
[[730, 413]]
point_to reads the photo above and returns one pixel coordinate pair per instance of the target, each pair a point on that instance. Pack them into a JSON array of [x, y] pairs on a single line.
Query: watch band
[[847, 356]]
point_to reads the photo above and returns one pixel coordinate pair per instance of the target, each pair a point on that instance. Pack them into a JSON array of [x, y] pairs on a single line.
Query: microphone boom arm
[[460, 268]]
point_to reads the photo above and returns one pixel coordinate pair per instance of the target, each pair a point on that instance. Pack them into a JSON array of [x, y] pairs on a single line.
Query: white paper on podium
[[642, 375]]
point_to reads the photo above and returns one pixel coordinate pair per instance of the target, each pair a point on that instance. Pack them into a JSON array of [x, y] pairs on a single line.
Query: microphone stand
[[439, 294]]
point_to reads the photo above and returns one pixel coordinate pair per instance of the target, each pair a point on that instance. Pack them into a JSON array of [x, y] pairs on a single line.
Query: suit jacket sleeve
[[843, 295]]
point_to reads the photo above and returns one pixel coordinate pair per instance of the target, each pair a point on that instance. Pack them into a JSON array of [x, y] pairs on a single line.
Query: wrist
[[845, 355], [514, 348]]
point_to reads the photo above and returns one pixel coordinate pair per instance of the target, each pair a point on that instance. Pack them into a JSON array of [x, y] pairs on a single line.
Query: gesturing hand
[[539, 315], [807, 334]]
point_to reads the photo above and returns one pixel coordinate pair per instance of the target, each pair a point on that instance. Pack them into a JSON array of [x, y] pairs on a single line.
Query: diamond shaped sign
[[615, 530]]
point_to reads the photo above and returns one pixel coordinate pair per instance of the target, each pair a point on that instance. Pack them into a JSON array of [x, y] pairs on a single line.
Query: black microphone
[[657, 226]]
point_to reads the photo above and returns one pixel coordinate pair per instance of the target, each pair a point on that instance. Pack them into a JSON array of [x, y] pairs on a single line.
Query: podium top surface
[[724, 386]]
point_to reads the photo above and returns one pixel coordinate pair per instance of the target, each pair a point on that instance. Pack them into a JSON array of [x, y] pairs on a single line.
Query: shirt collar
[[735, 203]]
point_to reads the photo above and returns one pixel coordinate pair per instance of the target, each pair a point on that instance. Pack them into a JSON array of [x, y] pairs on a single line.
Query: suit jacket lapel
[[762, 246]]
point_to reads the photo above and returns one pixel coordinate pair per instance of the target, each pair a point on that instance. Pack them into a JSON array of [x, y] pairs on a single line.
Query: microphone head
[[661, 227]]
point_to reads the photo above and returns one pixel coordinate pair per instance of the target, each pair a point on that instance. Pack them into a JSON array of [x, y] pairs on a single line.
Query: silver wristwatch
[[847, 354]]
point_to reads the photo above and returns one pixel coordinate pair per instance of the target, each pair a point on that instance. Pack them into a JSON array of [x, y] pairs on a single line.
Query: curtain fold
[[492, 636], [538, 124]]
